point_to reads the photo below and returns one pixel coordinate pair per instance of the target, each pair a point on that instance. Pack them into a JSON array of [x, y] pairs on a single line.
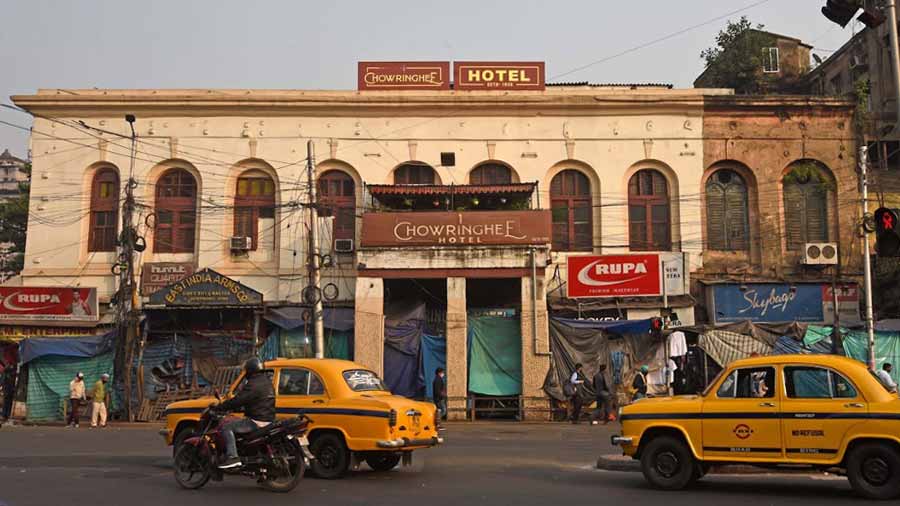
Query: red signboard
[[635, 275], [48, 303], [470, 228], [392, 75], [498, 75]]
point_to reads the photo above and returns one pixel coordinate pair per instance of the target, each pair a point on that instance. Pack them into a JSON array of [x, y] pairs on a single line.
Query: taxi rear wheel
[[667, 463], [383, 461], [332, 457], [874, 470]]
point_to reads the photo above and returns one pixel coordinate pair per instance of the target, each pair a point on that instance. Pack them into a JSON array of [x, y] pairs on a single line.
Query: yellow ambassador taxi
[[354, 416], [821, 411]]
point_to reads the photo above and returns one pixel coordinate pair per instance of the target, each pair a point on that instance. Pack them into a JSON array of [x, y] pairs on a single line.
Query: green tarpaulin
[[296, 344], [49, 377], [495, 355], [856, 345]]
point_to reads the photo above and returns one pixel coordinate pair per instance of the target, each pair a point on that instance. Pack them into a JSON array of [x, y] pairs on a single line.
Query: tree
[[13, 228], [737, 58]]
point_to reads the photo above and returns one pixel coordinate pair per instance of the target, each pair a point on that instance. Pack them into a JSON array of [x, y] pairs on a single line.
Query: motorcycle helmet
[[253, 365]]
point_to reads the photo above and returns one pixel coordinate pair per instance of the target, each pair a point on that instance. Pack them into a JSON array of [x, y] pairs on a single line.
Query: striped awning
[[463, 189], [725, 347]]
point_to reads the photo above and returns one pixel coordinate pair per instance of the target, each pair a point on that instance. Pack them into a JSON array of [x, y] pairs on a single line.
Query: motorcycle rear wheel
[[191, 470], [287, 482]]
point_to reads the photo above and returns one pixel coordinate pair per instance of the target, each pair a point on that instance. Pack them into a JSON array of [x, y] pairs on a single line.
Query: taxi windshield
[[711, 383], [361, 380]]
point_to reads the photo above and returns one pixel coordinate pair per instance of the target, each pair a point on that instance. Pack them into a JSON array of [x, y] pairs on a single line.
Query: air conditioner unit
[[820, 253], [241, 243], [343, 245]]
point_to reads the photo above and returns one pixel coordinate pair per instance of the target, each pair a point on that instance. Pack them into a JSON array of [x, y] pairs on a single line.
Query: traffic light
[[887, 233], [840, 11]]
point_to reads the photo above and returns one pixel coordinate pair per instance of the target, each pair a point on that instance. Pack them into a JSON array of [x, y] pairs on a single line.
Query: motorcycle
[[277, 455]]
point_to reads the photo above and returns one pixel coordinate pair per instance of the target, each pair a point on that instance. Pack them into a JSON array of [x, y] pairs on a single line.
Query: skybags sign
[[638, 275], [775, 302]]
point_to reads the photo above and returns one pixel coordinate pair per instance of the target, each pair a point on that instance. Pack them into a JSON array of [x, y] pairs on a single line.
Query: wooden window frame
[[103, 238], [647, 202], [806, 191], [252, 205], [340, 205], [491, 173], [725, 238], [177, 204], [571, 199], [424, 174]]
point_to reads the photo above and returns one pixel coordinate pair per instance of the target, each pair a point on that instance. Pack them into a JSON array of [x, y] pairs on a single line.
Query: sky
[[297, 44]]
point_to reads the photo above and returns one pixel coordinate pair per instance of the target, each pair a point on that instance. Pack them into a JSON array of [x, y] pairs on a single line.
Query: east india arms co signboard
[[206, 288], [471, 228]]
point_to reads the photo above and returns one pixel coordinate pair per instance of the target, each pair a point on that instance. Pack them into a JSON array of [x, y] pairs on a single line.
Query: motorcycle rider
[[256, 399]]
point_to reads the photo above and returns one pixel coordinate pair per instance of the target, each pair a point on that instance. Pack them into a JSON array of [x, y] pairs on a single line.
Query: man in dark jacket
[[9, 390], [603, 396], [257, 400], [439, 392]]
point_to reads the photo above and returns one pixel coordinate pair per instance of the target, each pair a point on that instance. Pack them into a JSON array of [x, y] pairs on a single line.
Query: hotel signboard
[[471, 228], [397, 76], [499, 75]]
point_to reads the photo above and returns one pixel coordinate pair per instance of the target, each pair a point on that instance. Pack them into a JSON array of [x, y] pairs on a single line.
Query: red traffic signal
[[840, 11], [887, 233]]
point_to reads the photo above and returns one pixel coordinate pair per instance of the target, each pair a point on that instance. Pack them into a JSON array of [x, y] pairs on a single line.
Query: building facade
[[12, 172], [464, 204]]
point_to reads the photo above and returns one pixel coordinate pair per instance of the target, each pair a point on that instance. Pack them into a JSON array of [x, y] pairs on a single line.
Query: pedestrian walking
[[439, 392], [639, 383], [76, 396], [576, 381], [9, 390], [884, 376], [603, 397], [101, 400]]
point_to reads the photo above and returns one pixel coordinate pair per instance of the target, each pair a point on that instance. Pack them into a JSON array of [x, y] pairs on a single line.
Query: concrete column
[[457, 349], [535, 352], [369, 324]]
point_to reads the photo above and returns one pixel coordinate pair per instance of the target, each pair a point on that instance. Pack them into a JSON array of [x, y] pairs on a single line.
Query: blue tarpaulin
[[434, 355], [79, 346], [403, 329], [291, 317]]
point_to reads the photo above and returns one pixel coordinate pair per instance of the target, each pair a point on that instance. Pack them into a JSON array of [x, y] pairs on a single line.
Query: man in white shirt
[[884, 375], [576, 380], [76, 396]]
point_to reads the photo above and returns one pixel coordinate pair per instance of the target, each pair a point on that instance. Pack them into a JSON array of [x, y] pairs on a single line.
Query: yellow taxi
[[820, 411], [354, 417]]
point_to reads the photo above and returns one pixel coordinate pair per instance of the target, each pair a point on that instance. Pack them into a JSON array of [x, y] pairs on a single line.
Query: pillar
[[535, 349], [368, 339], [457, 349]]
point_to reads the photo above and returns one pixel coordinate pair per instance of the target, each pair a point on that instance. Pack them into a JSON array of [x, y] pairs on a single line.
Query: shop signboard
[[206, 288], [626, 275], [471, 228], [35, 303], [781, 302], [399, 76], [499, 75], [19, 332], [157, 275]]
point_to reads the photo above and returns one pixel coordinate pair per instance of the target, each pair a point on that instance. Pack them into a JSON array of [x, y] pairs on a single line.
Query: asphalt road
[[496, 464]]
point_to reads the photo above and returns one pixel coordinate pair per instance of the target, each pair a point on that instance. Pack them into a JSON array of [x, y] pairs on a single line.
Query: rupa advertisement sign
[[21, 303], [627, 275]]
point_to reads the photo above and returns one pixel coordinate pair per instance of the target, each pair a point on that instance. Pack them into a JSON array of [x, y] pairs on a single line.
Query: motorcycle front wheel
[[191, 469], [294, 464]]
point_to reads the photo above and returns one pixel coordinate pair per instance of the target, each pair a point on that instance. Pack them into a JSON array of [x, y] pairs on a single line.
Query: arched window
[[805, 205], [104, 210], [570, 202], [254, 202], [337, 197], [490, 173], [727, 217], [649, 221], [414, 173], [176, 212]]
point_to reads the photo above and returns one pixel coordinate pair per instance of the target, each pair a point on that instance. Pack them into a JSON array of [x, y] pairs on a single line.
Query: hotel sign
[[403, 76], [499, 75], [472, 228]]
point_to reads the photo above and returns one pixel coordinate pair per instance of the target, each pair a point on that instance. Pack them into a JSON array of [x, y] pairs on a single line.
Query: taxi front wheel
[[667, 463], [874, 470]]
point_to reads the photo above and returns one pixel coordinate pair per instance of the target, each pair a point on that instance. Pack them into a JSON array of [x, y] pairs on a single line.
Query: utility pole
[[127, 295], [895, 55], [867, 261], [314, 259]]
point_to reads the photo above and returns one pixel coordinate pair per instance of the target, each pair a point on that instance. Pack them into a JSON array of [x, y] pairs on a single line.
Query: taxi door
[[741, 418], [820, 407], [299, 391]]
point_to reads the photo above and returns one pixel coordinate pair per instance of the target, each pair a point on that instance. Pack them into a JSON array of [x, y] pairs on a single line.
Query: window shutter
[[794, 211], [816, 214], [715, 217], [736, 217]]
